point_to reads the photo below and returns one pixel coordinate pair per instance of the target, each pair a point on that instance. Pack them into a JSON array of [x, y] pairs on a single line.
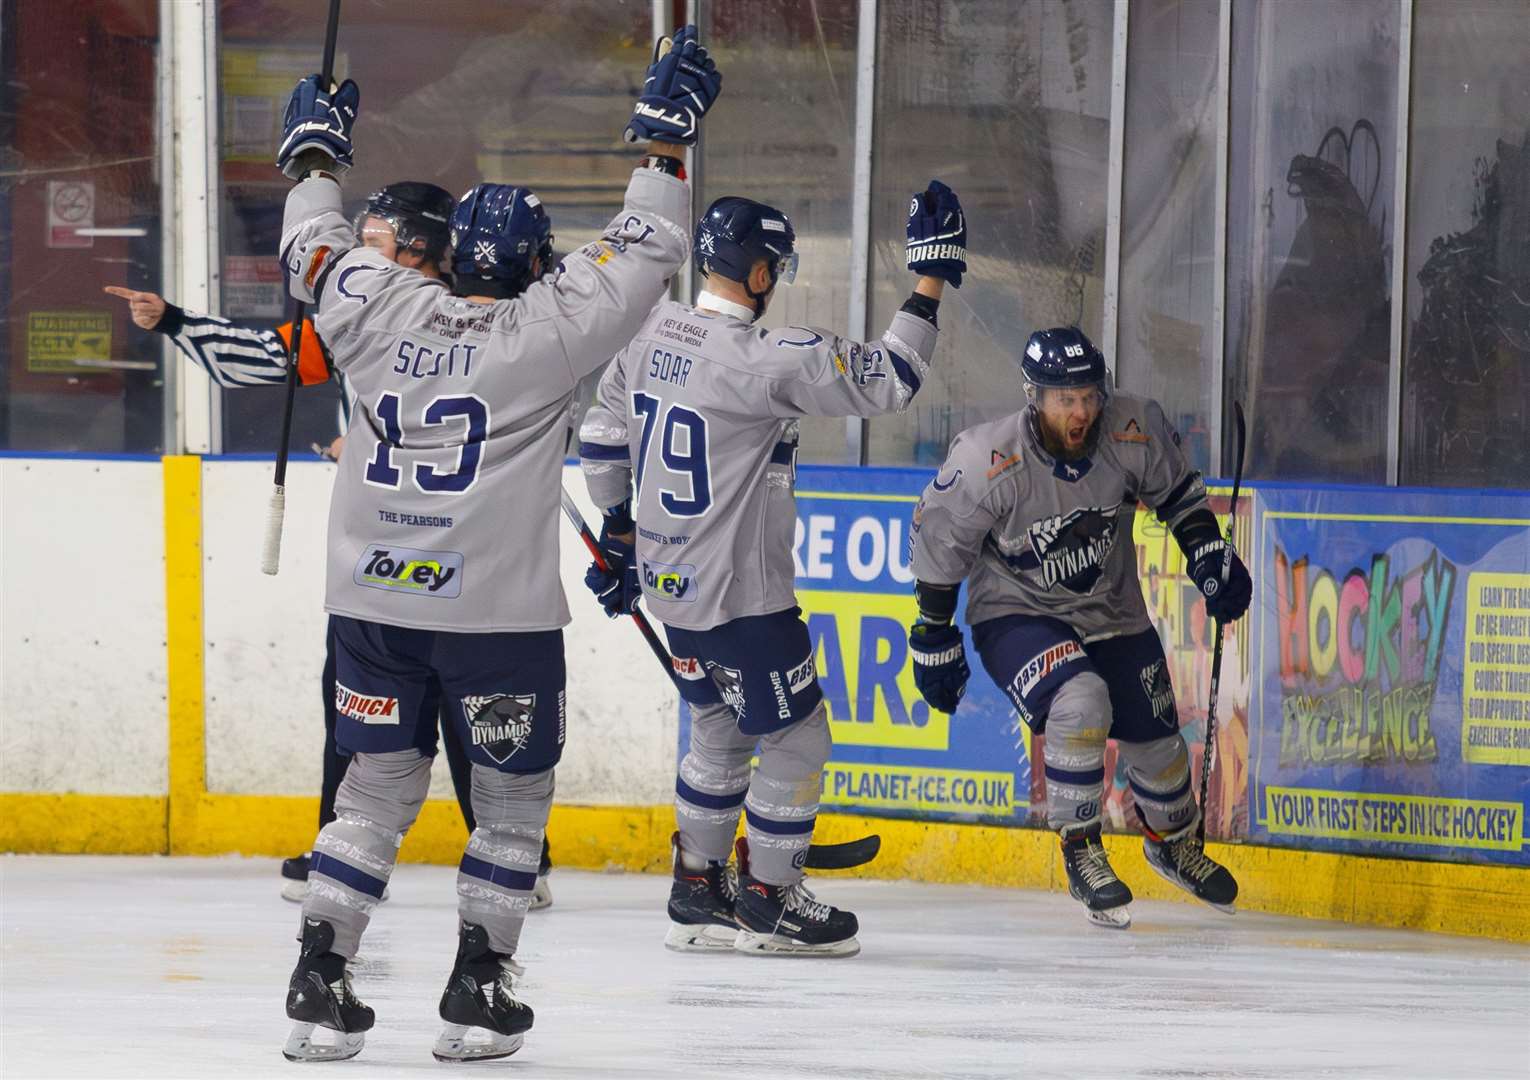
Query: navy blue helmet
[[417, 211], [1062, 357], [496, 232], [735, 233]]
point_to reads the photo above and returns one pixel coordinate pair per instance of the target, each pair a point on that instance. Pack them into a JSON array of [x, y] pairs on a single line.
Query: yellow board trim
[[83, 824]]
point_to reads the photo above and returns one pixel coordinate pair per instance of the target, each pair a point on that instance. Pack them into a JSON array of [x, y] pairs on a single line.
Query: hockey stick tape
[[271, 550]]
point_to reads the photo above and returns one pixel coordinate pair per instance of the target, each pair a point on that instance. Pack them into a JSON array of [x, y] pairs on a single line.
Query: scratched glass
[[1466, 376], [1311, 200], [79, 210], [784, 134], [453, 92]]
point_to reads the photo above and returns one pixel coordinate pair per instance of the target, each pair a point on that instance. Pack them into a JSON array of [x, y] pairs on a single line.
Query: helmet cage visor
[[404, 233]]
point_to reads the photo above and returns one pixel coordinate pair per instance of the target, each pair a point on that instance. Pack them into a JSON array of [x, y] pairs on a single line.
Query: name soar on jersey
[[444, 411], [682, 452]]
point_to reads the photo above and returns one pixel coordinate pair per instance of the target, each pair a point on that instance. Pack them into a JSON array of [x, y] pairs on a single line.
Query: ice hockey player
[[1034, 511], [443, 534], [692, 443], [407, 223]]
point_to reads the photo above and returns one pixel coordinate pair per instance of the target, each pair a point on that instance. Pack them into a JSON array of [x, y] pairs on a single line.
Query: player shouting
[[1035, 512], [692, 442], [443, 543]]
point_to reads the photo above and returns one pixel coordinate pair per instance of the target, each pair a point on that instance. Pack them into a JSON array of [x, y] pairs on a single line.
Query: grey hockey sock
[[1159, 772], [709, 791], [1077, 725], [499, 867], [782, 805]]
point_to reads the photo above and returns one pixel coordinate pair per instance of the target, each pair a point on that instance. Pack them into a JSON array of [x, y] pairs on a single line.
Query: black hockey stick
[[820, 856], [276, 511], [1216, 654]]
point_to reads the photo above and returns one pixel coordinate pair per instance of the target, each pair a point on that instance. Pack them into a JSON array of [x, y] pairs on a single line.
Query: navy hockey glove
[[940, 664], [678, 89], [1225, 601], [937, 235], [616, 587], [317, 122]]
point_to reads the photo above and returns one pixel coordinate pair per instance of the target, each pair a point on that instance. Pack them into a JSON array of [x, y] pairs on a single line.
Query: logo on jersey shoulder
[[1160, 693], [675, 583], [949, 484], [999, 460], [1072, 548], [730, 684], [365, 708], [1131, 433], [407, 570], [1043, 664], [500, 724]]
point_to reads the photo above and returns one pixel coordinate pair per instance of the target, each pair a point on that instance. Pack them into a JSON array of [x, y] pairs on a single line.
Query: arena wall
[[159, 694]]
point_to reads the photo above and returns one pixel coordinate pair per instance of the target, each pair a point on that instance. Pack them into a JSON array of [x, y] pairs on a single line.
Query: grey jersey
[[445, 509], [704, 407], [1036, 536]]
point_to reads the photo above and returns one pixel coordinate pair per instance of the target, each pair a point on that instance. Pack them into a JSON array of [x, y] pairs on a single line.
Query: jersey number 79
[[683, 451]]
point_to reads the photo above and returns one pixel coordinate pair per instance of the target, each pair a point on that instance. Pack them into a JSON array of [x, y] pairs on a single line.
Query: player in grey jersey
[[443, 542], [692, 442], [1034, 511]]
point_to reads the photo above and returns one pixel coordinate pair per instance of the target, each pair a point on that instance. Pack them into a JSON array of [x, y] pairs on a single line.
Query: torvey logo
[[396, 569], [673, 583]]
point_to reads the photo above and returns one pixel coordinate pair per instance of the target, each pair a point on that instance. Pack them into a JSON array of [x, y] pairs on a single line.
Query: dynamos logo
[[1072, 549]]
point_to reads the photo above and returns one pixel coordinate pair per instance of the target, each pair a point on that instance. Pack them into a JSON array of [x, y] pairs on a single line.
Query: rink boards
[[159, 693]]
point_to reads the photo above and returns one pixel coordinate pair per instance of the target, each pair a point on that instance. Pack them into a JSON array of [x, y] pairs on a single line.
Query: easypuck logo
[[396, 569], [366, 708]]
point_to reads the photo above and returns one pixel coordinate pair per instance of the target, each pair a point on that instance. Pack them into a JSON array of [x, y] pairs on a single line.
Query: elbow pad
[[937, 603]]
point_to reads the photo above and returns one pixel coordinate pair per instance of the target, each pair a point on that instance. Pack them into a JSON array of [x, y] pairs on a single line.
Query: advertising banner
[[1393, 711]]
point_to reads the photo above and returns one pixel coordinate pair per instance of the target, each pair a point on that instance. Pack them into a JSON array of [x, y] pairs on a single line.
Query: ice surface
[[154, 967]]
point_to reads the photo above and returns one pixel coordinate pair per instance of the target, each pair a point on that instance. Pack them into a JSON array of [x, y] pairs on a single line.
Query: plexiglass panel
[[1313, 129], [1166, 345], [1466, 379], [79, 210], [533, 92], [1009, 103]]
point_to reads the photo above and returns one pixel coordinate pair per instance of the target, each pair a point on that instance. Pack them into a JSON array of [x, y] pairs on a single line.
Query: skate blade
[[1225, 909], [700, 938], [296, 891], [1116, 918], [779, 945], [302, 1047], [458, 1042], [541, 895]]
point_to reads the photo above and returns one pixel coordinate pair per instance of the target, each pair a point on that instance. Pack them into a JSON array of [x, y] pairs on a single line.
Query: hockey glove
[[678, 89], [940, 664], [937, 235], [1225, 601], [318, 122], [617, 586]]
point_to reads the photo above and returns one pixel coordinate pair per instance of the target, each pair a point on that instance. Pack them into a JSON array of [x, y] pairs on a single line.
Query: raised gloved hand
[[616, 587], [940, 664], [1225, 601], [937, 235], [317, 123], [680, 86]]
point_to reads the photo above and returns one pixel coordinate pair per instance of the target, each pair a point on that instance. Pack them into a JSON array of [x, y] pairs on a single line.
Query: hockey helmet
[[417, 211], [1061, 358], [496, 232], [735, 233]]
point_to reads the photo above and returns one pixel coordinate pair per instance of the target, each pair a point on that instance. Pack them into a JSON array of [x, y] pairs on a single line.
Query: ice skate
[[319, 996], [787, 920], [701, 906], [483, 1019], [1181, 859], [295, 878], [1092, 882], [541, 894]]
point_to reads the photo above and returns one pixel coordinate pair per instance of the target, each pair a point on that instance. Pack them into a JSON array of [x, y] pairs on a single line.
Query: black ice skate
[[541, 894], [787, 920], [295, 878], [1092, 882], [701, 906], [483, 1019], [319, 995], [1180, 858]]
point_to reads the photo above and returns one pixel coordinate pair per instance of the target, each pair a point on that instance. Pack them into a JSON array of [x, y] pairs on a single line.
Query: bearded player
[[1034, 512]]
